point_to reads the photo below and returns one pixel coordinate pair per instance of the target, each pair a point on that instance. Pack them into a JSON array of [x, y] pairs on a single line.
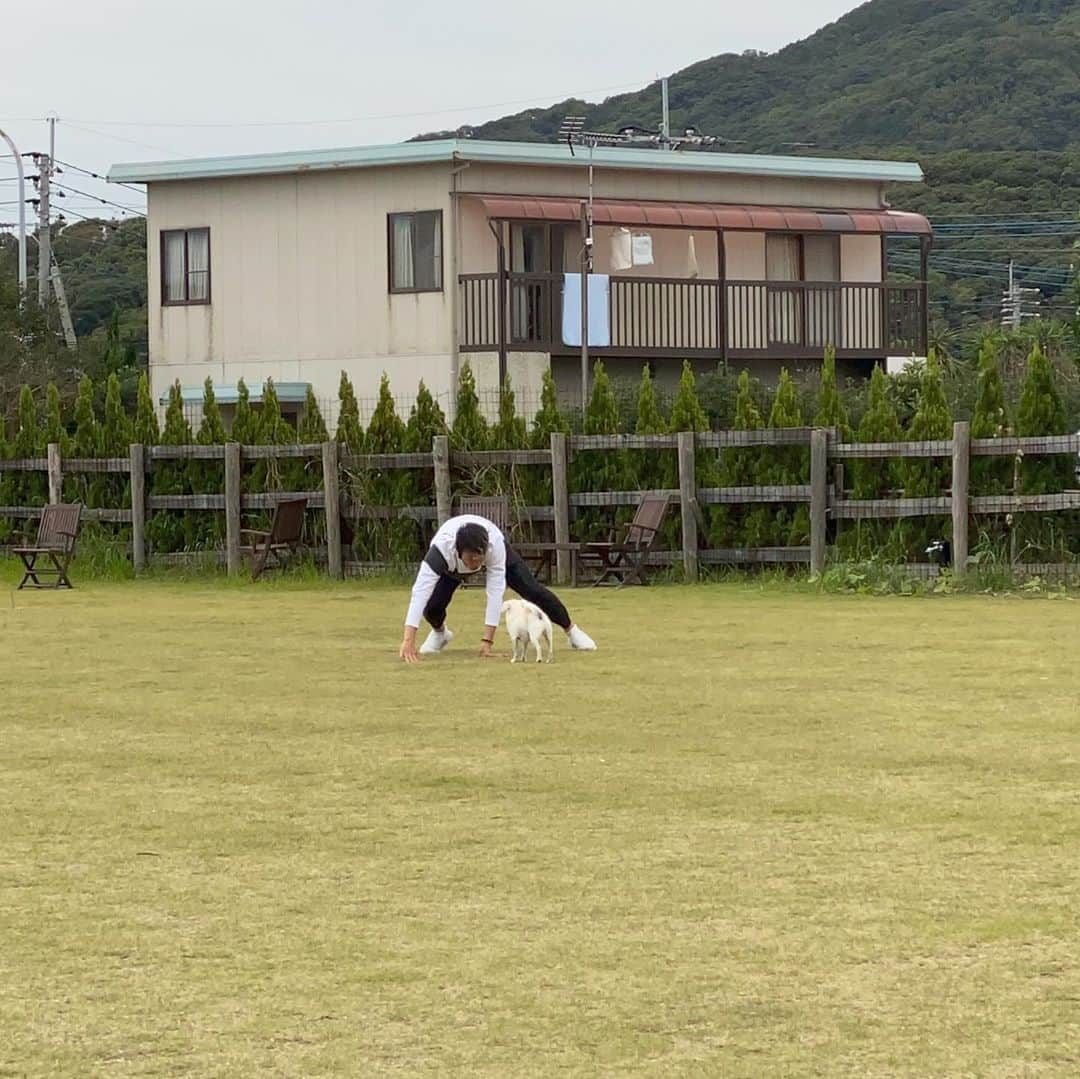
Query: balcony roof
[[516, 153], [700, 215]]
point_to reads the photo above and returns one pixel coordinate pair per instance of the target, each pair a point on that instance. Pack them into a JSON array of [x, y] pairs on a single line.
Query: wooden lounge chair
[[57, 532], [539, 556], [272, 548], [625, 560], [496, 508]]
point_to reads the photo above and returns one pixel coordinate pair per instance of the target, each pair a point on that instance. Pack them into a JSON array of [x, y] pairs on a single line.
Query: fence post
[[961, 468], [332, 508], [56, 474], [440, 453], [232, 507], [819, 492], [687, 502], [560, 502], [137, 460]]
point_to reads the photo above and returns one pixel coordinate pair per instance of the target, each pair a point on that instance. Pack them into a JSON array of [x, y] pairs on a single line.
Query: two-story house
[[411, 258]]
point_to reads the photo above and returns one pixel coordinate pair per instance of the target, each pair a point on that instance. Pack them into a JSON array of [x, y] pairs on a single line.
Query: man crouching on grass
[[461, 547]]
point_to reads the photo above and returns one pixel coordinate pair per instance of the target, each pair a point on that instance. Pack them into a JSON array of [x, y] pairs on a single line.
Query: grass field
[[762, 832]]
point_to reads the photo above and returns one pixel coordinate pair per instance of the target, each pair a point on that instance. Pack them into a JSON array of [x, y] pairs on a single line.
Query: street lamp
[[22, 211]]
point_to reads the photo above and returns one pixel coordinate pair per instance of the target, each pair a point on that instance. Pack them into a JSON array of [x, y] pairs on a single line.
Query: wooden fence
[[825, 499]]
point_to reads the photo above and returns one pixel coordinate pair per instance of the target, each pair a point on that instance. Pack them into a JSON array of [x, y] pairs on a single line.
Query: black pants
[[518, 577]]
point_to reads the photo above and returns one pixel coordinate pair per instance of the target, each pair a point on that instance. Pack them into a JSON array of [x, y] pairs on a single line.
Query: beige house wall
[[299, 283], [675, 187]]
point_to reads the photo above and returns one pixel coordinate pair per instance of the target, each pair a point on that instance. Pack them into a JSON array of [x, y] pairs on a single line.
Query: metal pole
[[45, 169], [584, 306], [22, 211], [586, 269], [665, 124], [44, 238]]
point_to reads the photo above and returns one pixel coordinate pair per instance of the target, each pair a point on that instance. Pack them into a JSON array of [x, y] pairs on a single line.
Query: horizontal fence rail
[[824, 494]]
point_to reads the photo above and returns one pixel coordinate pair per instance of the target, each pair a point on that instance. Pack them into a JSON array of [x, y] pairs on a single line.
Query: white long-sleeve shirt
[[445, 543]]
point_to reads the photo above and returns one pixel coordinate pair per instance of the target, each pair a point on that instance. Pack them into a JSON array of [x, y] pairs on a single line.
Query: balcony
[[711, 318]]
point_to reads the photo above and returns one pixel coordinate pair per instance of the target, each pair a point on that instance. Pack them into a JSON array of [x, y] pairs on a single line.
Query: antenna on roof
[[572, 132]]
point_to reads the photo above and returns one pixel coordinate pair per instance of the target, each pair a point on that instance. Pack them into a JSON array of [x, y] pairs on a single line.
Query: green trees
[[1039, 391], [926, 477], [470, 430], [598, 470], [873, 477]]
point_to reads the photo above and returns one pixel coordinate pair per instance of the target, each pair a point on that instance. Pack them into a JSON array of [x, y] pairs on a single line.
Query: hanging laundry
[[621, 257], [598, 313], [641, 249], [691, 257]]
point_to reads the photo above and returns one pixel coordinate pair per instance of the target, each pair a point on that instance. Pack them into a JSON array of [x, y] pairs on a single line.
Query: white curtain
[[782, 258], [404, 269], [198, 264], [173, 268], [782, 264]]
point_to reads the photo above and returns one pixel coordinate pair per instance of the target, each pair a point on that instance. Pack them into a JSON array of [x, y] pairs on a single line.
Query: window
[[185, 266], [415, 242], [803, 302], [813, 257], [783, 258]]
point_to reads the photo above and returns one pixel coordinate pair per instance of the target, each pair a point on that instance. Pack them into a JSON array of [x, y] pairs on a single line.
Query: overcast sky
[[138, 80]]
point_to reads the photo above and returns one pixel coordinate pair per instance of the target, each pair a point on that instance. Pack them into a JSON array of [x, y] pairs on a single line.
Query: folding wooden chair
[[57, 532], [270, 549], [496, 508], [625, 560]]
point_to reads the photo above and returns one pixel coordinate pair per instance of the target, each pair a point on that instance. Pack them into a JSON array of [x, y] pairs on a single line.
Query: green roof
[[515, 153]]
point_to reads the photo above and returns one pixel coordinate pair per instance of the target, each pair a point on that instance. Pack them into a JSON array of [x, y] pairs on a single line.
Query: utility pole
[[65, 311], [44, 162], [586, 270], [1014, 301], [665, 121]]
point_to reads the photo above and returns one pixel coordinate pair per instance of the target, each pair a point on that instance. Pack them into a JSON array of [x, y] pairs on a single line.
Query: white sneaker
[[580, 640], [436, 641]]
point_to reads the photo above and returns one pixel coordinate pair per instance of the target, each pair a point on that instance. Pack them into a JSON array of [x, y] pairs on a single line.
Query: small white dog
[[525, 622]]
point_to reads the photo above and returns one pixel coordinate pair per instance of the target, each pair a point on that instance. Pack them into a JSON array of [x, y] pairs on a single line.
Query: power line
[[97, 198], [98, 176], [108, 223], [1037, 213], [955, 271], [347, 119], [120, 138]]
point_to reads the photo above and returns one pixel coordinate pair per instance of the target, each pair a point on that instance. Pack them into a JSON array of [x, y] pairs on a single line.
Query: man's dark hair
[[471, 537]]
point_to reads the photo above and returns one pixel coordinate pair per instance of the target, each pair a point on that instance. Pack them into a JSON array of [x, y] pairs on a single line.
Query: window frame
[[186, 301], [801, 238], [390, 287]]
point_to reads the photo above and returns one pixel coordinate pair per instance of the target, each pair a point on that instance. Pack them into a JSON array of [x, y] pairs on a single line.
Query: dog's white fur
[[525, 622]]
